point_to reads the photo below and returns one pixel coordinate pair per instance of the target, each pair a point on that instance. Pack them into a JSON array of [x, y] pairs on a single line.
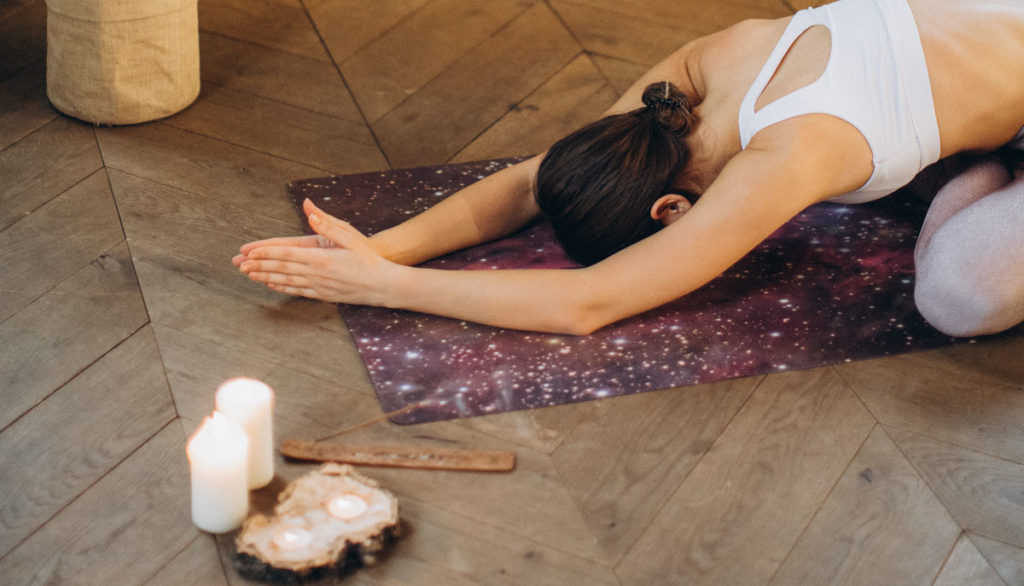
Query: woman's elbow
[[580, 320]]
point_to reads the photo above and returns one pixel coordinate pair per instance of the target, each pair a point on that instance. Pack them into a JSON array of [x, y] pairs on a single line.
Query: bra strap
[[748, 122]]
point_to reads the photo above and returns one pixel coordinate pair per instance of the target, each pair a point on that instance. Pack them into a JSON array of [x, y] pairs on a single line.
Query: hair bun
[[669, 105]]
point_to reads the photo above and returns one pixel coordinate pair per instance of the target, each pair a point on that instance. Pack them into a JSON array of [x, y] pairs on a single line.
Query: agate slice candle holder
[[329, 521]]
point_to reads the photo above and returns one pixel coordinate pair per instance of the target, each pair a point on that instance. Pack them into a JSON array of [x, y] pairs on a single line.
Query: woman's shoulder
[[737, 48], [722, 65]]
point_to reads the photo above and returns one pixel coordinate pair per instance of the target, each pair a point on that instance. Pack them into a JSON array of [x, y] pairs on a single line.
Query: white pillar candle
[[250, 404], [218, 455]]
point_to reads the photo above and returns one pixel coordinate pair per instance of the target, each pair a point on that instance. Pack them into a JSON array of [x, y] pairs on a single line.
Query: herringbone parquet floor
[[120, 313]]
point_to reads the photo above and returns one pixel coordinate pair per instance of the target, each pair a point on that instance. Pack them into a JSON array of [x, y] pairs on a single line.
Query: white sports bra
[[876, 79]]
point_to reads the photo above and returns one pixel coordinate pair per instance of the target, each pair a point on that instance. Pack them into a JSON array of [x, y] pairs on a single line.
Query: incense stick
[[395, 413]]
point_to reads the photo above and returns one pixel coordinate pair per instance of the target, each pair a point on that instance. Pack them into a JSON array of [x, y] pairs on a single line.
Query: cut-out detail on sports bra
[[767, 97], [876, 79]]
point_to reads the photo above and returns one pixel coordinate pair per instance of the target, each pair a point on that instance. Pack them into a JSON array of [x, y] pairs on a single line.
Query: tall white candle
[[250, 404], [218, 455]]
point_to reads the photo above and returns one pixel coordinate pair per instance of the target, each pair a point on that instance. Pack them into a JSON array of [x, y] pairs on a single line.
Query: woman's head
[[597, 186]]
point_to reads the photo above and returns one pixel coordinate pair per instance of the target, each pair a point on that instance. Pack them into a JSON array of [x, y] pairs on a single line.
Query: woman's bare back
[[974, 50], [975, 55]]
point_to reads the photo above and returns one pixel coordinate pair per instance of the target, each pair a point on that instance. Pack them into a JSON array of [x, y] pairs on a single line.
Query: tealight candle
[[218, 454], [346, 506], [290, 538], [250, 403]]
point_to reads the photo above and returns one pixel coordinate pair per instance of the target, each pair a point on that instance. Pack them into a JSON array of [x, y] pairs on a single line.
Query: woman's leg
[[965, 188], [970, 255]]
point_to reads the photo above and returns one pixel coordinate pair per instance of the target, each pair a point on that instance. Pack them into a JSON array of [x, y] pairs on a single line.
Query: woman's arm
[[758, 191], [494, 207], [755, 194]]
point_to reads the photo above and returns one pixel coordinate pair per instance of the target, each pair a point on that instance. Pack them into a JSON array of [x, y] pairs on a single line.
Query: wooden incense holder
[[401, 457], [330, 521]]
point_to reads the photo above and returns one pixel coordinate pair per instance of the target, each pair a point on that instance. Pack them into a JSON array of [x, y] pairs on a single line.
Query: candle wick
[[395, 413]]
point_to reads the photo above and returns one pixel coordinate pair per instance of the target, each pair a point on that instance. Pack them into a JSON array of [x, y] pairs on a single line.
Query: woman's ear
[[669, 208]]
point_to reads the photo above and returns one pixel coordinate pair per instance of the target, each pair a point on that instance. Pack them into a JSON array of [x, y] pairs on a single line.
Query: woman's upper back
[[974, 51]]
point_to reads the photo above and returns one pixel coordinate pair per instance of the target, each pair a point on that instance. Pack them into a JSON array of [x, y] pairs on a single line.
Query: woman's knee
[[963, 294], [957, 309]]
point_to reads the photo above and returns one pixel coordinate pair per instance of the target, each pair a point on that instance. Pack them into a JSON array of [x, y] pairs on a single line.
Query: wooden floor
[[120, 313]]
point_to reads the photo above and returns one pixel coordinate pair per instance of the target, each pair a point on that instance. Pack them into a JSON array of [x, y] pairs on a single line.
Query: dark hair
[[598, 184]]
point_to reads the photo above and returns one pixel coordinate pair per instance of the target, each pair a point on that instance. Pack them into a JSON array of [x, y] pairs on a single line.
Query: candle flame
[[347, 506], [292, 538]]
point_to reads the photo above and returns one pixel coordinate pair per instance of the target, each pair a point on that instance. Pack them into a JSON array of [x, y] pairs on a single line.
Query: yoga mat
[[833, 285]]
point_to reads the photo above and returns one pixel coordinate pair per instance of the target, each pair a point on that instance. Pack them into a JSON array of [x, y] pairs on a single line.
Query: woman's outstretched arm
[[757, 192], [494, 207]]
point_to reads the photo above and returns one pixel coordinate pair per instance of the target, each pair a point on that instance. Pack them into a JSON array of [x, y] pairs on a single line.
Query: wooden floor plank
[[739, 512], [696, 17], [622, 36], [625, 461], [983, 493], [439, 548], [43, 165], [182, 245], [197, 564], [621, 74], [284, 77], [517, 427], [966, 566], [25, 107], [22, 36], [529, 502], [307, 408], [122, 530], [1007, 560], [63, 235], [880, 525], [53, 339], [398, 63], [277, 24], [81, 432], [347, 25], [574, 97], [455, 107], [288, 132], [216, 169], [994, 358], [555, 423], [923, 392]]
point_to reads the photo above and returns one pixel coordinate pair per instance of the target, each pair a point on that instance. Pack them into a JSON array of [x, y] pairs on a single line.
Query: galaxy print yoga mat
[[833, 285]]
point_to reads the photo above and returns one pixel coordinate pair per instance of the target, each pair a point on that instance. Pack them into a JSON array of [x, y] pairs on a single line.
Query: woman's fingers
[[338, 231], [299, 241], [274, 265], [294, 290]]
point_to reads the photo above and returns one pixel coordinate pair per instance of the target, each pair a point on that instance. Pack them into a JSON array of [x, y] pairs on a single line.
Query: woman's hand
[[337, 264], [314, 241]]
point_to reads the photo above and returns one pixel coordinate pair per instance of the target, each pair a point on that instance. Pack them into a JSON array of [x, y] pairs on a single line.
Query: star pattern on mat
[[833, 285]]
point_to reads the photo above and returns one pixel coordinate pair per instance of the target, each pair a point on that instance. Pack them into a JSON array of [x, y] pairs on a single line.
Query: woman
[[707, 155]]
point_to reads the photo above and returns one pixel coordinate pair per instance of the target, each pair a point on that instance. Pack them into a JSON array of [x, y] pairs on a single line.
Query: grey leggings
[[970, 254]]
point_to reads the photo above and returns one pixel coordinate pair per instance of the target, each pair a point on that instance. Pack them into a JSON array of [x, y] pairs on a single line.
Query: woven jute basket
[[122, 61]]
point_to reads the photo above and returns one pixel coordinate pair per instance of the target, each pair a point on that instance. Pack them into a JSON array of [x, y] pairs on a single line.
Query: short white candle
[[250, 403], [218, 455], [289, 538], [346, 506]]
